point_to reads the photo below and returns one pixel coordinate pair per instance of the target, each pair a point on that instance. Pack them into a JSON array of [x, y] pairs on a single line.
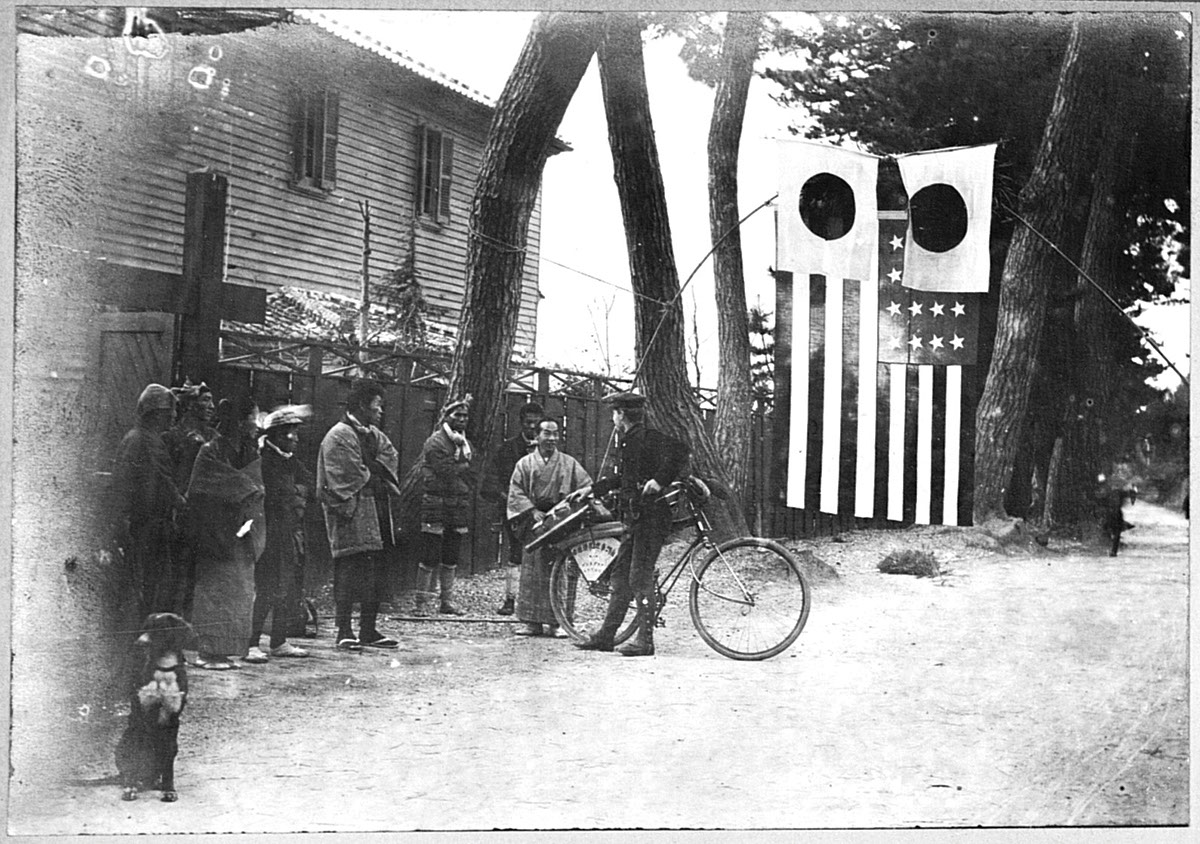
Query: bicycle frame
[[665, 584]]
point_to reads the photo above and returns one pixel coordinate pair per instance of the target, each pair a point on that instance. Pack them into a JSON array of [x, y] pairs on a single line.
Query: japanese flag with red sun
[[949, 218]]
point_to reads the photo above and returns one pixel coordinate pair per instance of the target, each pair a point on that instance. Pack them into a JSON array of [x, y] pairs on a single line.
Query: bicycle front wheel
[[580, 605], [749, 599]]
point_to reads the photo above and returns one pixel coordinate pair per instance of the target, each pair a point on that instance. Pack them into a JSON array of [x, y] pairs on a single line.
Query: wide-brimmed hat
[[288, 414], [625, 399]]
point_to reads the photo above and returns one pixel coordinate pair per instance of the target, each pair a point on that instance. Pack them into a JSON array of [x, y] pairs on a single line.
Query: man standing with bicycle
[[647, 461]]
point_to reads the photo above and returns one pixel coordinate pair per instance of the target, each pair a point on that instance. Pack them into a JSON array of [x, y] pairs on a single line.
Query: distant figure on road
[[1111, 499], [510, 451], [539, 481], [147, 499], [447, 484], [648, 460], [356, 472]]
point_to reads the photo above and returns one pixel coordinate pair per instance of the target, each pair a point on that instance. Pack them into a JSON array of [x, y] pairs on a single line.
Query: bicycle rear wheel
[[749, 599], [580, 605]]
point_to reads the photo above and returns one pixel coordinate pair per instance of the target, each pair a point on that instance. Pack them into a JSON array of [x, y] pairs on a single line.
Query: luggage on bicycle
[[565, 519]]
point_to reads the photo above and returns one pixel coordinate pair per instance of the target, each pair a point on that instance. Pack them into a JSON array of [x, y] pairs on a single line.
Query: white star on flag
[[894, 309], [894, 275], [936, 342], [897, 243], [937, 309], [957, 342], [915, 342], [915, 308], [958, 309]]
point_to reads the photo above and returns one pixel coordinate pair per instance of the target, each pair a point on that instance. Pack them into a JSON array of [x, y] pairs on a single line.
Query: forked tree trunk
[[658, 312], [531, 107], [1065, 159], [735, 394]]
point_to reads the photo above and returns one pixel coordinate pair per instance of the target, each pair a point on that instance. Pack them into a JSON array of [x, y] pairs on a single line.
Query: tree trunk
[[539, 89], [658, 313], [1064, 162], [1095, 324], [735, 394]]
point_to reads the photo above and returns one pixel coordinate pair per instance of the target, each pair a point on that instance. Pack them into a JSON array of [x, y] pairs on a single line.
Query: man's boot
[[643, 640], [602, 639], [447, 583], [424, 584]]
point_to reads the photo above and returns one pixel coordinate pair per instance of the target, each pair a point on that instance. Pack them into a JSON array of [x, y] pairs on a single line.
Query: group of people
[[648, 460], [210, 504], [212, 499]]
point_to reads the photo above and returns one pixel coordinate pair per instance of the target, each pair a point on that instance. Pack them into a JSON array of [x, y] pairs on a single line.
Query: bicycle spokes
[[749, 599]]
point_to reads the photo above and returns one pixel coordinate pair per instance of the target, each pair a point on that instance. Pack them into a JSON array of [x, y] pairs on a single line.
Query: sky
[[585, 318]]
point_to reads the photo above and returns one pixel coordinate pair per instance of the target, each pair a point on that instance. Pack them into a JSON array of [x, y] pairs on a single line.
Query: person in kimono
[[279, 572], [356, 477], [507, 455], [447, 484], [540, 480], [192, 429], [147, 500], [225, 499]]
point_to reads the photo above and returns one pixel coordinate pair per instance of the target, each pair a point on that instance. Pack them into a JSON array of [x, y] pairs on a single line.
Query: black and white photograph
[[614, 420]]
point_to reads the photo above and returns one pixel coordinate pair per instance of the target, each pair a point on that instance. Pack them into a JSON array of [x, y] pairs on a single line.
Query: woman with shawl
[[225, 497]]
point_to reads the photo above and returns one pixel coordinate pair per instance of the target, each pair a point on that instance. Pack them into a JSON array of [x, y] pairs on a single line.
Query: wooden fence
[[277, 370]]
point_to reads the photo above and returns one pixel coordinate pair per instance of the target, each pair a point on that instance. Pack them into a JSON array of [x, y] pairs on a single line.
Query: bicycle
[[748, 598]]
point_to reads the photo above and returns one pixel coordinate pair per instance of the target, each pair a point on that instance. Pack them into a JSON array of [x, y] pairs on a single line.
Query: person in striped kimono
[[540, 480]]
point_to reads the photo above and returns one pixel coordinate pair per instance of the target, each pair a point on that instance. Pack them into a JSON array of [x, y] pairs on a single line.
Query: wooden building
[[321, 131]]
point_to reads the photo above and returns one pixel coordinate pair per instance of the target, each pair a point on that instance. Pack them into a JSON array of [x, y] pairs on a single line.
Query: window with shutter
[[316, 139], [435, 173]]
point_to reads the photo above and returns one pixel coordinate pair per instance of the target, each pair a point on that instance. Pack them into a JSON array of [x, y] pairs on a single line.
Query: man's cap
[[625, 399], [288, 414]]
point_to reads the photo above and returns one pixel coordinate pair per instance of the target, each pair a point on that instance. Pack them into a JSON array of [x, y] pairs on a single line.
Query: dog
[[158, 694]]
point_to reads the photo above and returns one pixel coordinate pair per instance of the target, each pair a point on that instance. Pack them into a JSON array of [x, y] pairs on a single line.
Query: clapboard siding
[[241, 126]]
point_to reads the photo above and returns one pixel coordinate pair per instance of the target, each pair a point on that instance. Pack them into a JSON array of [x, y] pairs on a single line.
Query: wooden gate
[[136, 349]]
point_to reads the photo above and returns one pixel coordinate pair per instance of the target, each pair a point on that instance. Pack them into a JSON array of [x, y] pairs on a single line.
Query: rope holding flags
[[885, 313]]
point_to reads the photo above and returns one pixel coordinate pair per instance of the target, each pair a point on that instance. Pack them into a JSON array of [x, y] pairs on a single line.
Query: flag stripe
[[798, 427], [831, 422], [849, 389], [937, 452], [882, 434], [953, 433], [897, 376], [911, 433], [924, 443], [816, 388]]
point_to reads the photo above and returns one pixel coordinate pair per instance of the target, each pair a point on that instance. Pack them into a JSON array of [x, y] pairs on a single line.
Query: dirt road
[[1026, 690]]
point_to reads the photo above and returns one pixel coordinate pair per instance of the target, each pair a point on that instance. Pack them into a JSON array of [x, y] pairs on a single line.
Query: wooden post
[[203, 274], [364, 312], [781, 416]]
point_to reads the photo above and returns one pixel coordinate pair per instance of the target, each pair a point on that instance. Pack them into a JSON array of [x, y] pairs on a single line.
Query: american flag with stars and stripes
[[879, 426]]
